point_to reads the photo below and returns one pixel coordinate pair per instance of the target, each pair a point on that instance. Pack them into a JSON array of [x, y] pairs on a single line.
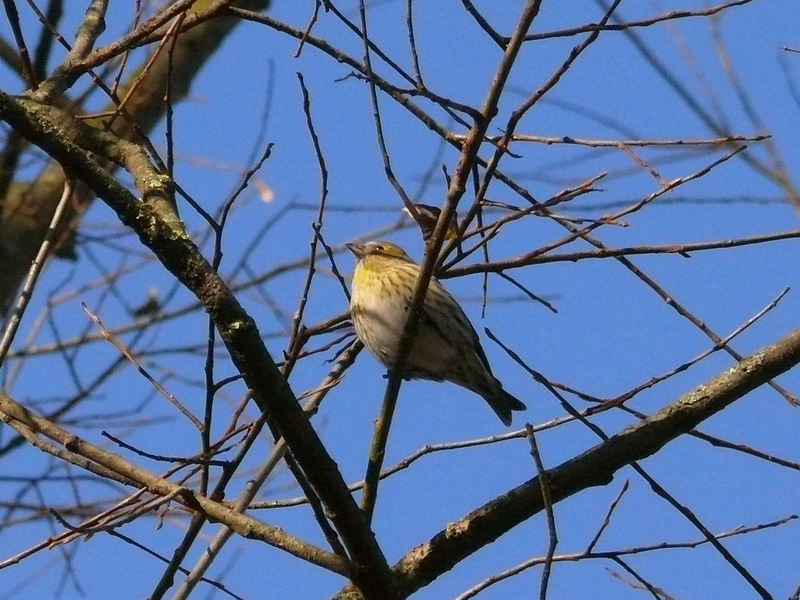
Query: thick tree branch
[[176, 251], [90, 29], [595, 467]]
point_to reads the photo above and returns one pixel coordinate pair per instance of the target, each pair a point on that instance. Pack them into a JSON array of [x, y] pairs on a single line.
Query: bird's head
[[426, 218], [379, 250]]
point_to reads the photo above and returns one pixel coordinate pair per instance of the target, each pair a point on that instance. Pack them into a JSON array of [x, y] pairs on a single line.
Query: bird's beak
[[357, 249]]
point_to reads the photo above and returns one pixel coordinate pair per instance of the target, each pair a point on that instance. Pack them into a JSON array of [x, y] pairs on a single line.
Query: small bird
[[446, 347], [427, 216]]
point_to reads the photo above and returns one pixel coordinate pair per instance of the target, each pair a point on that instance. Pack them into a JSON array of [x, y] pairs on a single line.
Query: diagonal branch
[[94, 458], [595, 467], [176, 251]]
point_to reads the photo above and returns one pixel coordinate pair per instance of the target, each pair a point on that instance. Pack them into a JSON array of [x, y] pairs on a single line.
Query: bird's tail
[[503, 403]]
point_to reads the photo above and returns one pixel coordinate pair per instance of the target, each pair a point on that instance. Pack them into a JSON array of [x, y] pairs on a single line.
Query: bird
[[446, 346], [426, 218]]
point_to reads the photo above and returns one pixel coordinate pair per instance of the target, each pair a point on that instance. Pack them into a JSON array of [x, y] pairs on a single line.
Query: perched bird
[[427, 216], [150, 306], [446, 347]]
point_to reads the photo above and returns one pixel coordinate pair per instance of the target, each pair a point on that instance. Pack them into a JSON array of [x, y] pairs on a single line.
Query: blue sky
[[610, 334]]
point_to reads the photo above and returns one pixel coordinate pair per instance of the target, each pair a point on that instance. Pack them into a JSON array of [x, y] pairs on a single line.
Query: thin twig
[[25, 58], [548, 508], [246, 499], [35, 270], [616, 554], [129, 355]]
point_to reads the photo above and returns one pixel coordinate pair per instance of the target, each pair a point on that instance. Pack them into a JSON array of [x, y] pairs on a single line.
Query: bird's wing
[[437, 288], [476, 342]]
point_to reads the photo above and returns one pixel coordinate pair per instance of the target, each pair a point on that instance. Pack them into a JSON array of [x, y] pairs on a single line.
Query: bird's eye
[[379, 248]]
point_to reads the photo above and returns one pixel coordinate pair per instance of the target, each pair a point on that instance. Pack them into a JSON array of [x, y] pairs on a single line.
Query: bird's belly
[[378, 325]]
